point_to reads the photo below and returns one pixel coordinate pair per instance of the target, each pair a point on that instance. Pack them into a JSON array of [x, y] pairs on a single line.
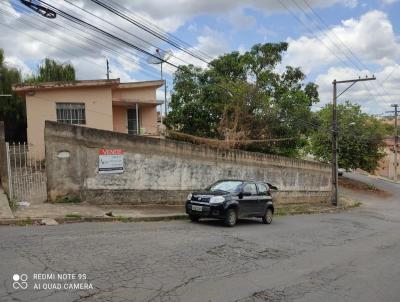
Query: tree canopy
[[50, 70], [242, 97], [360, 139], [12, 109]]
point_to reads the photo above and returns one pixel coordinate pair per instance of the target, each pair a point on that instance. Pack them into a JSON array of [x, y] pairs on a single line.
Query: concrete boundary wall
[[164, 171]]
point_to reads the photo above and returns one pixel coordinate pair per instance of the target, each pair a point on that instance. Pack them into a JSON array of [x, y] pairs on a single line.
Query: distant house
[[386, 164], [103, 104]]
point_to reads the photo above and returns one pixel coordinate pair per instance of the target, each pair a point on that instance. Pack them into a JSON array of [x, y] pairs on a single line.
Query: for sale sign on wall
[[111, 161]]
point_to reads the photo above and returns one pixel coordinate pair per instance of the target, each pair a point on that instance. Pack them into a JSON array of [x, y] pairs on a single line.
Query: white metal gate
[[27, 173]]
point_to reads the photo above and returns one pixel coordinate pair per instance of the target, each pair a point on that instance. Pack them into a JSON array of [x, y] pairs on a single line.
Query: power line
[[107, 34], [121, 29], [352, 54], [111, 36], [317, 37], [161, 31], [85, 24], [88, 41], [149, 30]]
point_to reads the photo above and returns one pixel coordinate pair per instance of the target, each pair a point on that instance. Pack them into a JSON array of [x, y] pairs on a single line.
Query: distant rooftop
[[115, 83]]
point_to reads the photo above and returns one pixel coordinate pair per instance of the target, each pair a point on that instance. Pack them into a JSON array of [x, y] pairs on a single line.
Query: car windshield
[[230, 186]]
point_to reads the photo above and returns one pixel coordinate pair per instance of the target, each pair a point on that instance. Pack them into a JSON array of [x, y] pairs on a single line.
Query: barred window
[[71, 113]]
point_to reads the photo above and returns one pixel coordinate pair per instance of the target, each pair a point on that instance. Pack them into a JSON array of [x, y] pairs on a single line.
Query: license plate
[[197, 208]]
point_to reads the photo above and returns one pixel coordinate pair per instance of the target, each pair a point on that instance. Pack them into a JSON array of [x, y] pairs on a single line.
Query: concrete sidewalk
[[88, 212], [5, 211]]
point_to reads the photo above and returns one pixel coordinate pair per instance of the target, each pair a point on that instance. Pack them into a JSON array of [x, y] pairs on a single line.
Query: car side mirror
[[272, 187], [240, 195]]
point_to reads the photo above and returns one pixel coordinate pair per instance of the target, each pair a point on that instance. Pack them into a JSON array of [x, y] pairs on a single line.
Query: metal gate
[[27, 173]]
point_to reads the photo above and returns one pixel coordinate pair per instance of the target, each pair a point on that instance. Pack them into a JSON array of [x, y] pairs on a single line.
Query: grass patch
[[372, 187], [27, 221], [73, 216], [123, 219], [293, 209], [355, 204], [13, 205], [68, 199]]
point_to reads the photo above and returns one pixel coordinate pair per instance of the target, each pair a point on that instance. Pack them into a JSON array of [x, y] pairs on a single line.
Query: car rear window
[[262, 189]]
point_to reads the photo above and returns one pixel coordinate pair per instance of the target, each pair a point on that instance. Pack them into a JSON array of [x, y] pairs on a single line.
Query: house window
[[71, 113]]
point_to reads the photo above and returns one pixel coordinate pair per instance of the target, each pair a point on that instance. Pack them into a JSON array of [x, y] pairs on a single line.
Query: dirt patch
[[355, 185]]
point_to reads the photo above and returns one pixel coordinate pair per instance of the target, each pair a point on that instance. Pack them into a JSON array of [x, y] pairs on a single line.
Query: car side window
[[250, 188], [262, 189]]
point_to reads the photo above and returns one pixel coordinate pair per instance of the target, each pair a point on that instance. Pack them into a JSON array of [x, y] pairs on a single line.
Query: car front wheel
[[231, 218], [267, 218]]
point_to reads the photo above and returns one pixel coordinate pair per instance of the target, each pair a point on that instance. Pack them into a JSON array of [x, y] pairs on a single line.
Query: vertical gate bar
[[25, 174], [21, 174], [36, 170], [32, 161], [10, 185], [16, 171], [42, 179], [28, 155]]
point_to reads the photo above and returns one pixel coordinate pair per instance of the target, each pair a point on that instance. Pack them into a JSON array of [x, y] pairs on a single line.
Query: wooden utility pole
[[335, 133], [334, 147], [108, 70], [396, 137]]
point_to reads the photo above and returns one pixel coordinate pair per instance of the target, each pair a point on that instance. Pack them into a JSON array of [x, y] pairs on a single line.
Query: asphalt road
[[348, 256]]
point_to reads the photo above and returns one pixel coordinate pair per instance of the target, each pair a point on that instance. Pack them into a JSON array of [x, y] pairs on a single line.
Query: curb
[[37, 221], [381, 178], [65, 220], [388, 180]]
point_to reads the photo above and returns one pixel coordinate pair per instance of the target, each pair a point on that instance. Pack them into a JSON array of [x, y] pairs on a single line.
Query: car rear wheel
[[231, 218], [267, 218], [194, 218]]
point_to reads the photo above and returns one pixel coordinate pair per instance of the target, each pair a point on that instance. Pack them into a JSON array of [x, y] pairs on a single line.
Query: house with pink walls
[[103, 104]]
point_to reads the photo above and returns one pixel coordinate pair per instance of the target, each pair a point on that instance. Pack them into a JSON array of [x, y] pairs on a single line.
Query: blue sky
[[354, 38]]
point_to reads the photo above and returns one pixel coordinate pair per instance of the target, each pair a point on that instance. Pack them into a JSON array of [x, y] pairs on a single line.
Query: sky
[[328, 39]]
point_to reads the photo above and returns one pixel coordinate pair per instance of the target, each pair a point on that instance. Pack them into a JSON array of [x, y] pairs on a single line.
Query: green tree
[[12, 109], [50, 71], [360, 140], [242, 97]]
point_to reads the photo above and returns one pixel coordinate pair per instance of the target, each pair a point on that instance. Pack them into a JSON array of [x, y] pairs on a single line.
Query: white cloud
[[19, 65], [170, 14], [62, 42], [374, 96], [388, 1], [240, 20], [211, 42], [371, 38]]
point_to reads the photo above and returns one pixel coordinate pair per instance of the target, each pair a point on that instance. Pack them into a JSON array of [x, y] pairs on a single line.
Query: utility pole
[[335, 132], [108, 70], [396, 137], [165, 89]]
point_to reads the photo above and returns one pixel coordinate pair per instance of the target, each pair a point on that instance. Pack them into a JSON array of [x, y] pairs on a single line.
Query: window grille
[[71, 113]]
